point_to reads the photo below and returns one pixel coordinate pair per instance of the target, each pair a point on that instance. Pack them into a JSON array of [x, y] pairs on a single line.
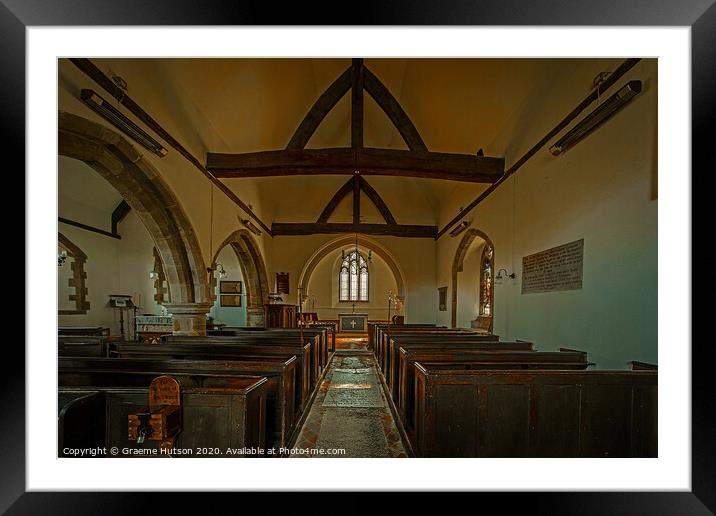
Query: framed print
[[229, 300], [230, 287], [418, 137]]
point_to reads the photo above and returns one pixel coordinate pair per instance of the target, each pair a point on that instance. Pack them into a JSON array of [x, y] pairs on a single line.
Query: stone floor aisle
[[350, 411]]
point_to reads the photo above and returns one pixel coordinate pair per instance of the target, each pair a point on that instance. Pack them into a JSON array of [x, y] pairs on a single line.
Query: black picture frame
[[700, 15]]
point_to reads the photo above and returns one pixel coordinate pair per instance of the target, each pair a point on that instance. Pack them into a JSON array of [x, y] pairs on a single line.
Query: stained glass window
[[486, 280], [353, 279]]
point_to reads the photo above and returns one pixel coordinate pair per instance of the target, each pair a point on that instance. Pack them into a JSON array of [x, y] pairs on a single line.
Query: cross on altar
[[353, 324]]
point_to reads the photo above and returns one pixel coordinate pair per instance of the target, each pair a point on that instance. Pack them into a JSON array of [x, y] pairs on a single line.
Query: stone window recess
[[79, 276]]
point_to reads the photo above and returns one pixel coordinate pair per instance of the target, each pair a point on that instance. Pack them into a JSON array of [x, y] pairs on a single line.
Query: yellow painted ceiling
[[247, 105]]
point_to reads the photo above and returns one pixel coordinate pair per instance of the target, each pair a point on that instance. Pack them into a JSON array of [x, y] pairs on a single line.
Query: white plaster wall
[[323, 288], [414, 256], [602, 190], [113, 266]]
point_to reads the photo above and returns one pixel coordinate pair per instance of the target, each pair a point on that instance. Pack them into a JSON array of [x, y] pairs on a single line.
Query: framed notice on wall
[[230, 287], [229, 300], [556, 269]]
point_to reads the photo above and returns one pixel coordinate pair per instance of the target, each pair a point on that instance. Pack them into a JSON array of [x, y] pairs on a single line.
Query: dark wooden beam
[[88, 228], [310, 228], [627, 65], [377, 200], [118, 215], [94, 73], [357, 104], [335, 200], [393, 109], [370, 161], [320, 109], [356, 200]]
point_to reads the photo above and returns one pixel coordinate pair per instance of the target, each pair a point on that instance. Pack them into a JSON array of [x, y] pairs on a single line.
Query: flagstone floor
[[350, 411]]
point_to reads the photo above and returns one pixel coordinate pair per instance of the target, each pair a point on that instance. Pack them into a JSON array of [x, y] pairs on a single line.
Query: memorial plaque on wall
[[559, 268]]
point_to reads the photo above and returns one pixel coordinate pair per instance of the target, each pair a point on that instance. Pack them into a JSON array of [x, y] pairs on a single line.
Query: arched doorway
[[486, 274], [253, 271], [141, 186]]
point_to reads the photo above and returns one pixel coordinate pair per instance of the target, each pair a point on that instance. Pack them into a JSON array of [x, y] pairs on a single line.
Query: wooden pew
[[372, 327], [204, 351], [503, 355], [642, 366], [95, 331], [331, 327], [441, 341], [282, 412], [82, 346], [540, 413], [81, 420], [390, 355], [265, 338], [374, 335], [215, 420], [317, 336], [307, 332]]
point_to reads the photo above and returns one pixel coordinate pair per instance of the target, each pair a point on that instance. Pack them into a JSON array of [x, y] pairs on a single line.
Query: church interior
[[357, 257]]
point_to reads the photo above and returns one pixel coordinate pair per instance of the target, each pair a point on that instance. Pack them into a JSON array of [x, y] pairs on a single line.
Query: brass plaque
[[164, 390], [556, 269]]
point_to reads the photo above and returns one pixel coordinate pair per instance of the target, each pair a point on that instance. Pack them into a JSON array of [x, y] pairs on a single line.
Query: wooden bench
[[401, 346], [96, 331], [204, 351], [332, 329], [389, 348], [266, 338], [317, 336], [82, 346], [375, 329], [215, 420], [642, 366], [282, 412], [541, 413], [506, 355]]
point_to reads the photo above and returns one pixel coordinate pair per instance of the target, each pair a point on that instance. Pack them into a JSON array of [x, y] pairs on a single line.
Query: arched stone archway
[[253, 270], [140, 184], [458, 261], [348, 240]]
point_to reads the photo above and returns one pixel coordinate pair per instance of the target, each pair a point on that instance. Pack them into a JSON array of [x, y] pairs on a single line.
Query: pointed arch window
[[486, 281], [353, 278]]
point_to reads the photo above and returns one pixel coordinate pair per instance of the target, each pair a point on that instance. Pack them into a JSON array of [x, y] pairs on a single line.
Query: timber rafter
[[356, 184], [418, 161]]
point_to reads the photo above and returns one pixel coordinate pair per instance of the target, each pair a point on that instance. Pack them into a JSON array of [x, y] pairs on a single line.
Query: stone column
[[188, 318]]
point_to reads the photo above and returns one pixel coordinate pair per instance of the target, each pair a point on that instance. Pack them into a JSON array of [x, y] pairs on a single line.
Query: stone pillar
[[188, 318], [255, 317]]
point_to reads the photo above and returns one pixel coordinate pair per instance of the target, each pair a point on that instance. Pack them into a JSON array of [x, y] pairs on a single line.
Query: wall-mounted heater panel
[[121, 122], [601, 114]]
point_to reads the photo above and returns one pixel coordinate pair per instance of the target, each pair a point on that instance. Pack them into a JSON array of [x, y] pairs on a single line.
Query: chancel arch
[[482, 288], [253, 272], [366, 245], [144, 190]]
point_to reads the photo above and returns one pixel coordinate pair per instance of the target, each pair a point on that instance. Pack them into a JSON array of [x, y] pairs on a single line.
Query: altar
[[353, 322]]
